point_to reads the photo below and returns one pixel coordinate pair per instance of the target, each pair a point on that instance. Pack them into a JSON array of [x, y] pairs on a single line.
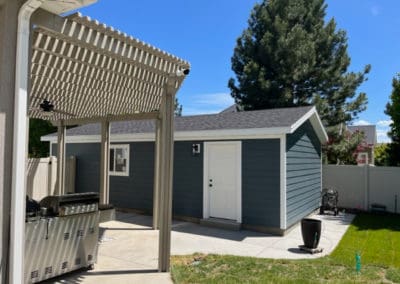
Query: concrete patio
[[128, 248]]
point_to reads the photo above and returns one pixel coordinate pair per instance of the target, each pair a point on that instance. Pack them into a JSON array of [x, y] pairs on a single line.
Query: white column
[[20, 144], [104, 163], [61, 158], [157, 184], [166, 174]]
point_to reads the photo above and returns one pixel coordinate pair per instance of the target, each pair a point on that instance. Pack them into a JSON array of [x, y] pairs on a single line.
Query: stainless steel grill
[[62, 236]]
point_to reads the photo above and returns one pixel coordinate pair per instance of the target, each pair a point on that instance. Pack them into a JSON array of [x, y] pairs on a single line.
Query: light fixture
[[196, 149]]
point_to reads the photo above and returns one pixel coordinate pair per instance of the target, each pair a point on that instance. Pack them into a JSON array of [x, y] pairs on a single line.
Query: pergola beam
[[61, 133], [47, 20], [166, 176], [110, 118], [157, 180], [104, 162]]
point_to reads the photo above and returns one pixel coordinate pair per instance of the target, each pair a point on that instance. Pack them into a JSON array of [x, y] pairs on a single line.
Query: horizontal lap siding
[[303, 173], [136, 190], [87, 165], [188, 180], [261, 182]]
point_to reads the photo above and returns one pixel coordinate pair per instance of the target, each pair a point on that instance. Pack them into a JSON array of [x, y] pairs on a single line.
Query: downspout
[[18, 187]]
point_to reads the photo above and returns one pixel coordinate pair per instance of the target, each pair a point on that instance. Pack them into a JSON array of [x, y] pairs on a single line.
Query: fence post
[[50, 176], [70, 175], [366, 187]]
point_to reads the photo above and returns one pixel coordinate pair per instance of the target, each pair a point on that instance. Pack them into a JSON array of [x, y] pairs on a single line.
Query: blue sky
[[204, 33]]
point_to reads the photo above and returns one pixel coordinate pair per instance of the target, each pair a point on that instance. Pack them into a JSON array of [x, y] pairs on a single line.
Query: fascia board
[[226, 134], [316, 122]]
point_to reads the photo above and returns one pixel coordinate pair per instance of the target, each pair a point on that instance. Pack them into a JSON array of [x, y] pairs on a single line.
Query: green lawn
[[375, 237]]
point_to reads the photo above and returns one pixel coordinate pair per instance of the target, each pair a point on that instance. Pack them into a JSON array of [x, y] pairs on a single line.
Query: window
[[119, 160], [362, 158]]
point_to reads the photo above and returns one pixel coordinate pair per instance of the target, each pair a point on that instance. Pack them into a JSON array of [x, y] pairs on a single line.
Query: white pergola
[[93, 73]]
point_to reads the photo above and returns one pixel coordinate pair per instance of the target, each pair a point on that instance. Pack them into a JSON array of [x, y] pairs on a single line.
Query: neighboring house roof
[[368, 130], [232, 108], [245, 123]]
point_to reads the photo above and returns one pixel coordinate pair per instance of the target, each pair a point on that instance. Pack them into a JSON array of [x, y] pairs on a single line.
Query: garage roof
[[88, 70], [269, 121]]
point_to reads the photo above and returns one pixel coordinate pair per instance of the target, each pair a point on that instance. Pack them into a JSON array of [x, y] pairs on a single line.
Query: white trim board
[[236, 134], [206, 197], [219, 134], [283, 217]]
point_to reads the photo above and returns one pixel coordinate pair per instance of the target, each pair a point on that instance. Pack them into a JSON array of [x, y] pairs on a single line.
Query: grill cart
[[61, 235], [330, 198]]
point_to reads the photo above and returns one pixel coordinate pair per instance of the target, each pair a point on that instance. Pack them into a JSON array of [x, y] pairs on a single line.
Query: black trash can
[[311, 232]]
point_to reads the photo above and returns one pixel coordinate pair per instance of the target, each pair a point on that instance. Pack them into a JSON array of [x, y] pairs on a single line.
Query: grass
[[375, 237]]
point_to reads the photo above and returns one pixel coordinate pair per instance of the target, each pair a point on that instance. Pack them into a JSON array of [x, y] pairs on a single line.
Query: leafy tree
[[289, 56], [393, 110], [178, 108], [38, 128], [342, 148], [381, 154]]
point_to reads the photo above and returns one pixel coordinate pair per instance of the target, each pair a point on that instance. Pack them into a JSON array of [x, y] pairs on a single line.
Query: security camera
[[182, 72]]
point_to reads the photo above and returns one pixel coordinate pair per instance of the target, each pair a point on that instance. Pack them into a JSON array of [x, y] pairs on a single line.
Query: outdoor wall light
[[195, 149]]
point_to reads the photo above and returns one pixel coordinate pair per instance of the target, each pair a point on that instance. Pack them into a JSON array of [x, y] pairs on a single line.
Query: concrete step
[[221, 224]]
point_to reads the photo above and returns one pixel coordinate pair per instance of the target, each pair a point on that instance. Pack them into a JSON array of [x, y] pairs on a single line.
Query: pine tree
[[393, 110], [289, 56], [178, 108]]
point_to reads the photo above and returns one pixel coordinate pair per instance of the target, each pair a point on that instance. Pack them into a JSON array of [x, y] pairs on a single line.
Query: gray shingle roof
[[369, 132], [270, 118]]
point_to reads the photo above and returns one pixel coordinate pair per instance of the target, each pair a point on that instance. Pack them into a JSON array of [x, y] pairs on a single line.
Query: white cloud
[[220, 99], [207, 103], [361, 122], [382, 137], [384, 123], [198, 111]]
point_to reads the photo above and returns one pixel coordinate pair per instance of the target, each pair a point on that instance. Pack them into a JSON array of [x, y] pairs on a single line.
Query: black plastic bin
[[311, 232]]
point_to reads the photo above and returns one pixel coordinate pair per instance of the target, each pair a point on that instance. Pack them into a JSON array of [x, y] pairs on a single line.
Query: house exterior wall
[[87, 165], [188, 180], [136, 190], [260, 178], [261, 182], [303, 173]]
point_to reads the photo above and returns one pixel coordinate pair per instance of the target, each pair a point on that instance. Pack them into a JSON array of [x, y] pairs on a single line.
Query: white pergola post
[[166, 174], [61, 133], [20, 144], [157, 180], [104, 163]]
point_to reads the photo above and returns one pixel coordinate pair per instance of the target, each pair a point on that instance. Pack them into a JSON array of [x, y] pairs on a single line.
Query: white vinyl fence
[[361, 186], [42, 176]]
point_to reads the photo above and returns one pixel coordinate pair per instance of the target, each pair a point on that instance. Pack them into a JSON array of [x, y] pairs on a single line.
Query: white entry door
[[223, 180]]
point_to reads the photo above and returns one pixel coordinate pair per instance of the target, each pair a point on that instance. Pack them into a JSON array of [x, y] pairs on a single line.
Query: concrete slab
[[128, 250]]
